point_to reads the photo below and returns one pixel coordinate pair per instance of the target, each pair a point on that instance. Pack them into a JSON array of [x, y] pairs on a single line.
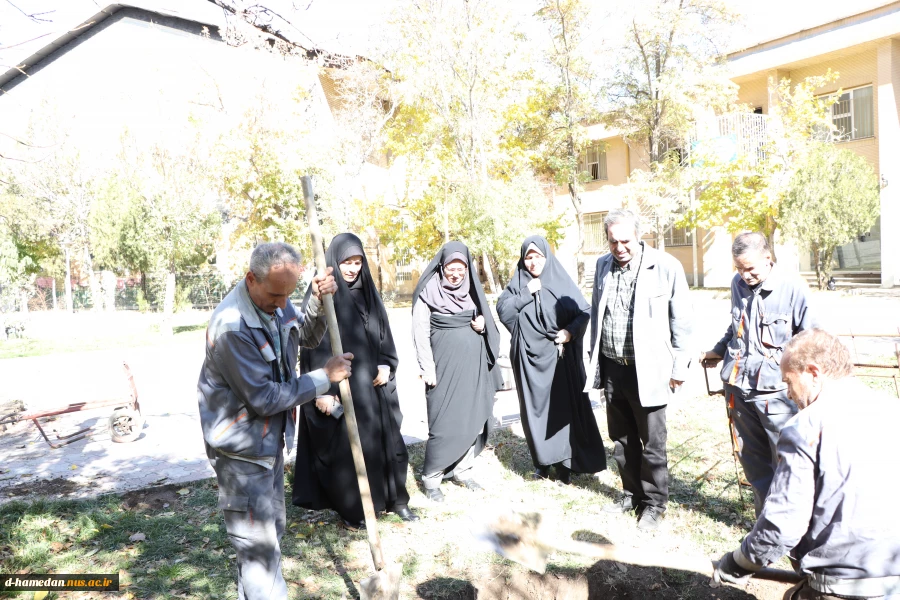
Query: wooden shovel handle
[[337, 348]]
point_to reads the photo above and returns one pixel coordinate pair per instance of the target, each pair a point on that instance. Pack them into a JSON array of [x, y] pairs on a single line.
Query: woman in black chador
[[324, 476], [547, 316], [456, 343]]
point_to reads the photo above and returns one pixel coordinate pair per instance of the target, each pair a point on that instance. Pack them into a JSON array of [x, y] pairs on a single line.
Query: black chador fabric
[[324, 476], [461, 404], [556, 413]]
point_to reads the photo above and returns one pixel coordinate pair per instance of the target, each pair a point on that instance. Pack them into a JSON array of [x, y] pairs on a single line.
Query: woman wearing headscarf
[[324, 475], [547, 316], [456, 343]]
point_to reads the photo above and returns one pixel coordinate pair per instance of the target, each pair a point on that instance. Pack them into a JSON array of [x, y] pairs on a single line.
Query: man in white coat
[[640, 333]]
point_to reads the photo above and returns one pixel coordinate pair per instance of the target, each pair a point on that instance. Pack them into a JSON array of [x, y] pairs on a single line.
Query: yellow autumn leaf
[[301, 536], [106, 526], [40, 595], [73, 467]]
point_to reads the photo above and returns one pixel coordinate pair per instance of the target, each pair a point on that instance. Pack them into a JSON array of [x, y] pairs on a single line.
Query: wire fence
[[146, 294]]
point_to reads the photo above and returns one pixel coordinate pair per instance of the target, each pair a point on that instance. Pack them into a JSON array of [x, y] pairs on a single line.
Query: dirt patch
[[604, 580], [157, 498], [43, 487]]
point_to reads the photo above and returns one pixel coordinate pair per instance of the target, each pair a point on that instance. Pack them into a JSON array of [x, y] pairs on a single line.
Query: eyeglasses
[[455, 271]]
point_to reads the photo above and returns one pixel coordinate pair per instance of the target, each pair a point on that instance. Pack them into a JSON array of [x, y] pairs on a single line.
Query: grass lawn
[[186, 553], [57, 333]]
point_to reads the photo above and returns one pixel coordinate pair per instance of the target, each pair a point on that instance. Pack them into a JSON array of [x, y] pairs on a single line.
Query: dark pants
[[639, 433], [251, 498], [758, 419]]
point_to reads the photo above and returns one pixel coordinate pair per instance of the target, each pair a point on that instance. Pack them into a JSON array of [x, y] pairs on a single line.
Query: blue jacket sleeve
[[250, 377]]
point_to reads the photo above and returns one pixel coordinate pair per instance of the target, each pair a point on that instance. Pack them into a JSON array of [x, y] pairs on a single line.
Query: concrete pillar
[[888, 134], [787, 253], [774, 77], [718, 268]]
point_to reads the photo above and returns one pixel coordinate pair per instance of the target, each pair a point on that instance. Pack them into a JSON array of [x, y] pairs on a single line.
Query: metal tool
[[124, 424], [732, 434], [385, 584]]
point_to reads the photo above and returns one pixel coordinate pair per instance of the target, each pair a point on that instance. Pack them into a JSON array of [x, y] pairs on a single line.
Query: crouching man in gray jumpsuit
[[247, 391], [830, 503]]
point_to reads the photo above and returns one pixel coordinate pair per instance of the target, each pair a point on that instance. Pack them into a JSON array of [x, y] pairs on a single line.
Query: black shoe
[[470, 484], [435, 495], [407, 515], [621, 506], [541, 472], [651, 517], [353, 525], [563, 474]]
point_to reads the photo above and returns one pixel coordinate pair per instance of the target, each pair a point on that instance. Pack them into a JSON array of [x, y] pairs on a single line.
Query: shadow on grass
[[716, 497], [187, 328], [512, 452], [185, 551]]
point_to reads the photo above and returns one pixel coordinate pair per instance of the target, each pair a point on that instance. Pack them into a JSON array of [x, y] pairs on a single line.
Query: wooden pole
[[346, 399]]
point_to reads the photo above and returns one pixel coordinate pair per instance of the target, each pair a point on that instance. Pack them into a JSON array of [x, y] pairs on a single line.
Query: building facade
[[864, 49]]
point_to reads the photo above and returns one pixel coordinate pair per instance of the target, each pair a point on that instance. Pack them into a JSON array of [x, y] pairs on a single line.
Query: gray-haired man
[[829, 504], [768, 307], [640, 336], [248, 389]]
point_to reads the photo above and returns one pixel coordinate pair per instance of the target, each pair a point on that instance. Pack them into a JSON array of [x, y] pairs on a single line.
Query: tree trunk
[[770, 237], [168, 304], [817, 256], [96, 292], [579, 220], [70, 307], [378, 260], [489, 272], [660, 237], [828, 255]]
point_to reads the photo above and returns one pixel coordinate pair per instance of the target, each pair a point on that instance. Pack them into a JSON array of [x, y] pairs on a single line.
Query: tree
[[155, 212], [457, 65], [667, 68], [16, 269], [48, 194], [833, 197], [257, 162], [551, 123]]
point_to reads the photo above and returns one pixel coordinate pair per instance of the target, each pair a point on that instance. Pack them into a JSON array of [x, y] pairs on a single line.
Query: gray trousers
[[461, 471], [758, 418], [251, 498]]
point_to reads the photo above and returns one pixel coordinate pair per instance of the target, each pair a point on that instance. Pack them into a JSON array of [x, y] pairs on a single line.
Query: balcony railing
[[734, 135]]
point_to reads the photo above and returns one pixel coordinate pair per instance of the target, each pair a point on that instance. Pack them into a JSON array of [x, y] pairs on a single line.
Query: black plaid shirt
[[616, 338]]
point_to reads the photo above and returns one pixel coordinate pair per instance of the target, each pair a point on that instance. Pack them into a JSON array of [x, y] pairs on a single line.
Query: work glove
[[729, 571]]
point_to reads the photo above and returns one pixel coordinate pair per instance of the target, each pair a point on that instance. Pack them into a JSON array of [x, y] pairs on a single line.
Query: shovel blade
[[383, 585]]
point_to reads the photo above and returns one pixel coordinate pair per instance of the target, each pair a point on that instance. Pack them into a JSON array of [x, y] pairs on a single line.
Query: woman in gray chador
[[456, 343], [547, 316]]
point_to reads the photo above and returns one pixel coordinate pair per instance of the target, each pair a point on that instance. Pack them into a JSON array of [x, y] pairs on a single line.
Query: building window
[[853, 114], [595, 233], [678, 236], [403, 266], [593, 163]]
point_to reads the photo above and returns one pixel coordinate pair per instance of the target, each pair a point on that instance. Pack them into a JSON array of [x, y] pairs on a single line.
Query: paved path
[[170, 449]]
